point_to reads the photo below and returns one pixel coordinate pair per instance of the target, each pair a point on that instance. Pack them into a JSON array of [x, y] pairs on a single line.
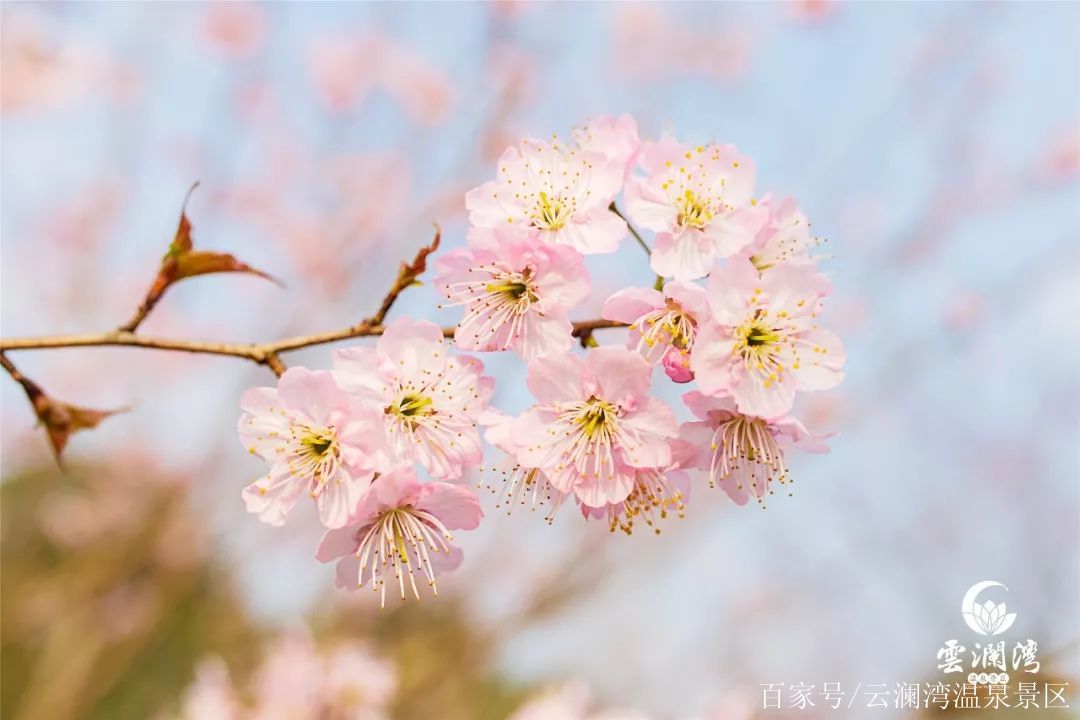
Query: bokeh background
[[935, 146]]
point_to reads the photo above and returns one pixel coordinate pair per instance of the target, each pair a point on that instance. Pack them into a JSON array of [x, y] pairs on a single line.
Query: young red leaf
[[60, 419], [204, 262], [419, 263], [183, 261]]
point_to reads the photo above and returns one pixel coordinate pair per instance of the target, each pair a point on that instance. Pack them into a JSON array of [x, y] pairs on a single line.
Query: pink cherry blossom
[[405, 524], [520, 485], [516, 291], [595, 425], [699, 201], [563, 193], [761, 342], [744, 454], [315, 438], [663, 325], [655, 494], [785, 237], [614, 138], [427, 400]]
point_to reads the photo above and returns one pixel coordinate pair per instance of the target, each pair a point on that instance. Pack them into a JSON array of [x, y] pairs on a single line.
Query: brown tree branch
[[62, 419], [182, 261], [267, 353]]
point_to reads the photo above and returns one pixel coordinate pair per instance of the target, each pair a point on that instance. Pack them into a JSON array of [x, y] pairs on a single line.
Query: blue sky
[[912, 135]]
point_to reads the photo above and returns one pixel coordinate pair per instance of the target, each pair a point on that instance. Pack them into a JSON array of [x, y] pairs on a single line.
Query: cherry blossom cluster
[[350, 439], [734, 310]]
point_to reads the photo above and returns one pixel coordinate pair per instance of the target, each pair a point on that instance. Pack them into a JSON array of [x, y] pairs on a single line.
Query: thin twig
[[406, 278], [161, 282], [123, 338], [267, 353], [275, 363], [633, 231], [11, 369]]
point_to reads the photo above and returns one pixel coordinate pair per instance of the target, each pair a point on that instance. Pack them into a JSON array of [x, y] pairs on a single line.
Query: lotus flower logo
[[987, 618]]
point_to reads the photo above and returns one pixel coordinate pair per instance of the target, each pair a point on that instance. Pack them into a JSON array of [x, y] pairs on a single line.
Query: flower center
[[759, 346], [315, 455], [402, 538], [588, 435], [498, 302], [664, 328], [652, 498], [597, 418], [758, 335], [412, 405], [498, 298], [551, 213], [760, 263], [745, 449], [512, 289], [694, 210], [318, 442]]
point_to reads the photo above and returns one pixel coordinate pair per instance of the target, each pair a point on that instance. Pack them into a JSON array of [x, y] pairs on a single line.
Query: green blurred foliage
[[111, 594], [444, 662], [108, 597]]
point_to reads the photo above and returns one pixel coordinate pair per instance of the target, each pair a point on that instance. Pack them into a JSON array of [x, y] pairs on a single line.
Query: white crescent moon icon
[[967, 605]]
